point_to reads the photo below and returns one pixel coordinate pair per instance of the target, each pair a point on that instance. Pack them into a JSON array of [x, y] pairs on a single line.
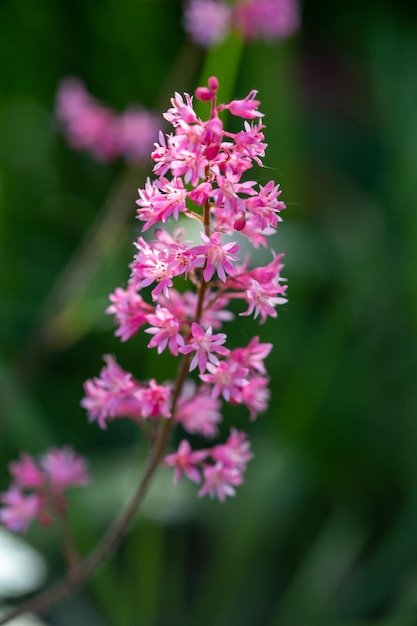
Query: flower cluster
[[200, 174], [38, 490], [91, 126], [208, 22]]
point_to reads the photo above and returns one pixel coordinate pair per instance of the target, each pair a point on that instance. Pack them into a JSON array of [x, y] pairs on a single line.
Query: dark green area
[[324, 531]]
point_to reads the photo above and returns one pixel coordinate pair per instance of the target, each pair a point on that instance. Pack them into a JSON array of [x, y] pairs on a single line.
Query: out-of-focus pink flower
[[197, 410], [19, 509], [184, 461], [207, 22], [267, 19], [220, 480], [64, 468], [38, 490], [155, 400], [235, 453], [89, 125], [130, 311], [26, 472]]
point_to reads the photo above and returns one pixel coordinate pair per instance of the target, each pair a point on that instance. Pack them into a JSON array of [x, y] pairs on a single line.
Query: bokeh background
[[324, 531]]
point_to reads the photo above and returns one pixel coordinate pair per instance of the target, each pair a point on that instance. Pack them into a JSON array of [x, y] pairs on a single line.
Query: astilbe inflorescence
[[94, 127], [38, 490], [208, 22], [200, 173]]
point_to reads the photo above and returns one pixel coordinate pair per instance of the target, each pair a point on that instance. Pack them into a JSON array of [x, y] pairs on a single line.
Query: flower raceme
[[91, 126], [200, 174], [38, 490], [208, 22]]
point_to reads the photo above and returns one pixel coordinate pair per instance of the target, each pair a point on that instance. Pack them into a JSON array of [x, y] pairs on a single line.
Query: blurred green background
[[324, 531]]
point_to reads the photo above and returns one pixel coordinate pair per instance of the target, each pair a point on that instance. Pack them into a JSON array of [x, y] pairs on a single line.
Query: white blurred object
[[23, 620], [22, 569]]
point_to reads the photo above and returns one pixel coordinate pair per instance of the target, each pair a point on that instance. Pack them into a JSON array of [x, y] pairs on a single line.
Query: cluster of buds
[[199, 170], [208, 22], [95, 128], [38, 489]]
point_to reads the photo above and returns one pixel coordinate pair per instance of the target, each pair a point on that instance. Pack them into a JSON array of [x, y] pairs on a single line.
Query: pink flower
[[255, 395], [94, 127], [253, 355], [204, 343], [218, 256], [113, 394], [19, 510], [263, 299], [207, 21], [184, 461], [197, 411], [247, 108], [181, 111], [219, 481], [138, 129], [228, 378], [26, 473], [130, 311], [155, 400], [235, 453], [165, 328], [64, 468], [267, 19]]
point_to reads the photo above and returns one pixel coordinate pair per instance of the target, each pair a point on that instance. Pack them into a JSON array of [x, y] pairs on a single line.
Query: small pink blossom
[[228, 378], [263, 299], [207, 21], [155, 400], [64, 468], [130, 311], [255, 395], [253, 355], [246, 108], [267, 19], [26, 472], [218, 256], [18, 510], [235, 453], [197, 410], [204, 343], [220, 480], [113, 394], [184, 461], [165, 328]]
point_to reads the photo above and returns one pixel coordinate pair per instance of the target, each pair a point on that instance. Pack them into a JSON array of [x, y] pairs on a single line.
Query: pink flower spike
[[204, 343], [64, 469], [19, 510], [26, 472], [220, 481], [184, 461]]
